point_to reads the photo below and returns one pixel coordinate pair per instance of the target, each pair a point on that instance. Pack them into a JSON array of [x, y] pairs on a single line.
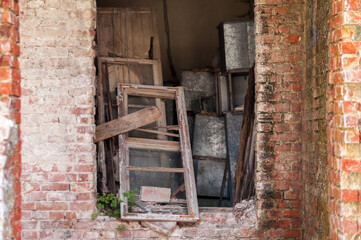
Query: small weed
[[109, 204], [94, 216], [121, 228], [131, 198]]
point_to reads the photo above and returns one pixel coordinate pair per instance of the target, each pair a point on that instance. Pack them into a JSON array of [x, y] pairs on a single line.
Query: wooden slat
[[127, 123], [171, 127], [101, 120], [153, 144], [155, 169], [189, 180], [151, 93], [157, 132], [119, 60]]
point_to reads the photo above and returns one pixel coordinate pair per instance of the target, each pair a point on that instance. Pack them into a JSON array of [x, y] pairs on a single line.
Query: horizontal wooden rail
[[155, 169], [153, 144]]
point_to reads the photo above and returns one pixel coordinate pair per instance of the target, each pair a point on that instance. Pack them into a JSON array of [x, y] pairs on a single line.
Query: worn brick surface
[[10, 145], [308, 124], [314, 121], [279, 55], [58, 178], [344, 120]]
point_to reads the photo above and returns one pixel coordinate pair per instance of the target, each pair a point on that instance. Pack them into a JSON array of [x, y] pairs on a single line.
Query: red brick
[[351, 165], [56, 215], [292, 233], [55, 187], [350, 195], [292, 214]]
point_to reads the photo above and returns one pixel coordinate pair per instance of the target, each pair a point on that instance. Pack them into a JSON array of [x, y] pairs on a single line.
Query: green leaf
[[121, 228], [94, 216]]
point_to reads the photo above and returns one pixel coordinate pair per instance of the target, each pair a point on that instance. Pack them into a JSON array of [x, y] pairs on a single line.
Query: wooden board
[[127, 32], [126, 123], [154, 194]]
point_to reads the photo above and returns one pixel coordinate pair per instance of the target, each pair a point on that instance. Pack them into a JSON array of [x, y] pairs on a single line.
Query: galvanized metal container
[[237, 45]]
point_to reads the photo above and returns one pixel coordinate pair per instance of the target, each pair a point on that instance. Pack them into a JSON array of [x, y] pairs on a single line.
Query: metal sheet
[[197, 85], [209, 178], [234, 125], [237, 45], [209, 136]]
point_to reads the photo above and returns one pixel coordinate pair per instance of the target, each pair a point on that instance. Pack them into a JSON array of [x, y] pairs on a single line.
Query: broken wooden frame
[[104, 105], [183, 146]]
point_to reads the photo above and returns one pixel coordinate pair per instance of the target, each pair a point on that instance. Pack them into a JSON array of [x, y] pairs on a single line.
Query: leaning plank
[[155, 169], [151, 93], [153, 144], [101, 120], [127, 123]]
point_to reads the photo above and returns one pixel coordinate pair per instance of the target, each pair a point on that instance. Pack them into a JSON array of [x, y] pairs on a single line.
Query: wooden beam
[[151, 93], [155, 169], [157, 132], [153, 144], [126, 123]]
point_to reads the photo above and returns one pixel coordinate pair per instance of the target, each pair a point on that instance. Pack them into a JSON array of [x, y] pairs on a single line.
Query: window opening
[[129, 52]]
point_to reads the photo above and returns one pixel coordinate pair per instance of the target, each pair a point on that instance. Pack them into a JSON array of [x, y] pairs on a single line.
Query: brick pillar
[[344, 116], [279, 52], [10, 168]]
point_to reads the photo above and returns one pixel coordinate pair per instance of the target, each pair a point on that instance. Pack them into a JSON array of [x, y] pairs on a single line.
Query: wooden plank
[[151, 93], [154, 194], [157, 132], [109, 145], [155, 169], [172, 127], [101, 119], [125, 61], [189, 180], [157, 217], [248, 119], [124, 177], [127, 123], [153, 144], [179, 190]]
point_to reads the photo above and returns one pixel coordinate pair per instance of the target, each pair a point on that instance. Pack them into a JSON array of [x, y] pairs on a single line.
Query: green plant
[[131, 198], [121, 228], [109, 204], [94, 216]]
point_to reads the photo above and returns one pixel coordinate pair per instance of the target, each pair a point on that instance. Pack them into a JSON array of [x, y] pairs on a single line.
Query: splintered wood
[[126, 123], [126, 143]]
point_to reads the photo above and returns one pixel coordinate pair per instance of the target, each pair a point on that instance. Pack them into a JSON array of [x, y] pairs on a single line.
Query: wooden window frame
[[183, 146]]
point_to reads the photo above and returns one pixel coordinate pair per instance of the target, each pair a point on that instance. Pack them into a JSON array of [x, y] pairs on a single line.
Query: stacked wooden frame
[[183, 146]]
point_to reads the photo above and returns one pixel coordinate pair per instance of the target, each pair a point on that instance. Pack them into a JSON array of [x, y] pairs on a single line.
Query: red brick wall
[[10, 168], [308, 124], [314, 120], [279, 50], [344, 120]]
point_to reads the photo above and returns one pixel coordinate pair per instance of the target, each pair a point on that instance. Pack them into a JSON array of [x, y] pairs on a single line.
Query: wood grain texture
[[153, 144], [127, 123], [245, 140], [155, 169], [127, 32]]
